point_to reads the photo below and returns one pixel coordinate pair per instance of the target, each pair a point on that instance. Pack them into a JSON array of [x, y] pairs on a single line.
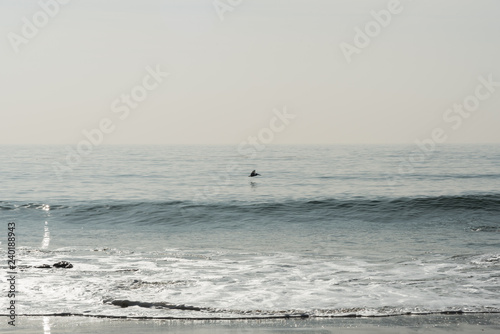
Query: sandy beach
[[471, 323]]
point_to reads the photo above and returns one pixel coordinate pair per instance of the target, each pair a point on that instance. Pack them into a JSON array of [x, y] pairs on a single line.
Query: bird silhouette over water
[[253, 173]]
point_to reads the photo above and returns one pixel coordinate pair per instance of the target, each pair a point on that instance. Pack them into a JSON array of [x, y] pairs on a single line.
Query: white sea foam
[[235, 285]]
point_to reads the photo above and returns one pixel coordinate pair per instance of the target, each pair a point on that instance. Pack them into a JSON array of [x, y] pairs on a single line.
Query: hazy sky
[[227, 76]]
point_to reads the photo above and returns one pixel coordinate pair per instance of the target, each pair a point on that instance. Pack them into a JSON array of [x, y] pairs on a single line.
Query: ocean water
[[182, 231]]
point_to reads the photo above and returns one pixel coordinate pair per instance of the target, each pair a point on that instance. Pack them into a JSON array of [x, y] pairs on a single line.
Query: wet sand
[[467, 323]]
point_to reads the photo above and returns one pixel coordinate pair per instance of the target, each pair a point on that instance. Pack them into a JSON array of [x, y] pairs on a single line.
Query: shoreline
[[258, 317], [436, 323]]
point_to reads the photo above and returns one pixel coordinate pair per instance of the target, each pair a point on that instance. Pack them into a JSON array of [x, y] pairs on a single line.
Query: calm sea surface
[[182, 231]]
